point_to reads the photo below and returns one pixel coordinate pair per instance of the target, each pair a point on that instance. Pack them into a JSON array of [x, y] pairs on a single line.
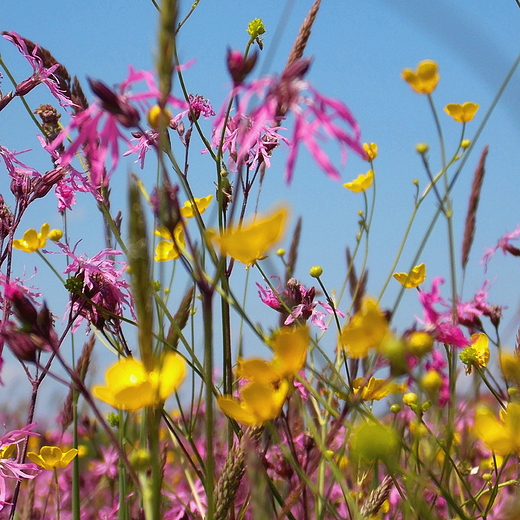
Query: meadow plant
[[346, 413]]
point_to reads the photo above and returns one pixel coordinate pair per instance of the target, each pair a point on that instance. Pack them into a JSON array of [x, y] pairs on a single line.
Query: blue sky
[[359, 50]]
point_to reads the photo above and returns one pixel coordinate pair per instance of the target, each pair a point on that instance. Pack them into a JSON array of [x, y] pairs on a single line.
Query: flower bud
[[316, 271], [422, 148], [240, 67]]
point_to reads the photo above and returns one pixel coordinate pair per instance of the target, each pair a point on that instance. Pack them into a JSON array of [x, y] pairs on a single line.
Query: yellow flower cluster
[[32, 240], [262, 398]]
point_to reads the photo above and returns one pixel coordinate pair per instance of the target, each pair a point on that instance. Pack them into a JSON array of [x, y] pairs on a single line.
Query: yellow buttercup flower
[[32, 240], [462, 113], [51, 457], [370, 150], [169, 249], [252, 241], [159, 117], [373, 389], [362, 183], [416, 277], [477, 353], [259, 403], [188, 210], [131, 387], [366, 330], [425, 79], [501, 435]]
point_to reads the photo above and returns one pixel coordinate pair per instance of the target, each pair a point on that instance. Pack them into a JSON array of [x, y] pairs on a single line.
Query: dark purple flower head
[[240, 67]]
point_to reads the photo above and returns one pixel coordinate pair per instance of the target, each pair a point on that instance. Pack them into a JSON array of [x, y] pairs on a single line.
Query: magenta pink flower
[[316, 118], [440, 322], [505, 245], [145, 142], [40, 74], [10, 468], [99, 280], [101, 127]]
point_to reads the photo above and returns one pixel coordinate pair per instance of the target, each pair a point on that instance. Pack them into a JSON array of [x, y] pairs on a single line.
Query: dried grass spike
[[180, 319], [377, 498], [471, 217]]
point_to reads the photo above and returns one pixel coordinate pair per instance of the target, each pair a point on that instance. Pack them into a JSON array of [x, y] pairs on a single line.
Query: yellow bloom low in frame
[[425, 79], [169, 249], [252, 241], [462, 113], [52, 457], [500, 435], [362, 183], [188, 210], [413, 279], [131, 387], [32, 240]]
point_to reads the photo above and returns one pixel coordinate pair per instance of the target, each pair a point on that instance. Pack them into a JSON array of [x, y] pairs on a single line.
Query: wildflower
[[440, 324], [169, 248], [98, 126], [131, 387], [41, 74], [158, 117], [10, 468], [255, 28], [188, 210], [419, 343], [366, 330], [422, 148], [259, 402], [510, 366], [362, 183], [290, 351], [477, 354], [501, 435], [462, 113], [415, 278], [370, 150], [51, 457], [145, 142], [239, 66], [96, 284], [505, 245], [431, 381], [250, 243], [32, 240], [315, 116], [316, 271], [425, 79], [373, 389]]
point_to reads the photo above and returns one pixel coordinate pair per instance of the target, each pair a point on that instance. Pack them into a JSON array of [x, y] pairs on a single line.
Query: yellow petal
[[416, 277], [290, 349], [425, 79], [362, 183], [462, 113], [257, 369], [232, 408], [252, 242], [493, 432], [172, 374], [188, 210]]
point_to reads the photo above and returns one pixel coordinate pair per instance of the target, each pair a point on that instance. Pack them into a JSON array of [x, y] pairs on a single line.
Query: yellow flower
[[32, 241], [158, 117], [7, 451], [416, 277], [169, 249], [462, 113], [290, 352], [131, 387], [251, 242], [188, 210], [501, 435], [366, 330], [370, 150], [477, 354], [259, 403], [373, 390], [362, 183], [510, 366], [425, 79], [55, 235], [51, 457]]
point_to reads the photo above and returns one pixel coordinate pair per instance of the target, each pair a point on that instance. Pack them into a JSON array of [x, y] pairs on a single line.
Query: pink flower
[[100, 127], [440, 323], [316, 118], [504, 244], [101, 283], [145, 142], [10, 469], [40, 74]]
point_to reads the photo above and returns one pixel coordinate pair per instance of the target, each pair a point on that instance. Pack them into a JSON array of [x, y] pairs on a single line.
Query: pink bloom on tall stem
[[316, 117], [41, 74], [441, 323], [10, 468], [505, 245]]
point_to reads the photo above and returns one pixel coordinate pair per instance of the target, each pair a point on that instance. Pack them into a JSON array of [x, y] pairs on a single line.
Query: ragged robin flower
[[425, 79], [362, 183], [131, 387], [413, 279], [51, 457], [462, 113], [252, 241]]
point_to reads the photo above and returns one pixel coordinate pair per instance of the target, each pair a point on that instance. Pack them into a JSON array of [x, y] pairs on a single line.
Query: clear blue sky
[[359, 50]]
